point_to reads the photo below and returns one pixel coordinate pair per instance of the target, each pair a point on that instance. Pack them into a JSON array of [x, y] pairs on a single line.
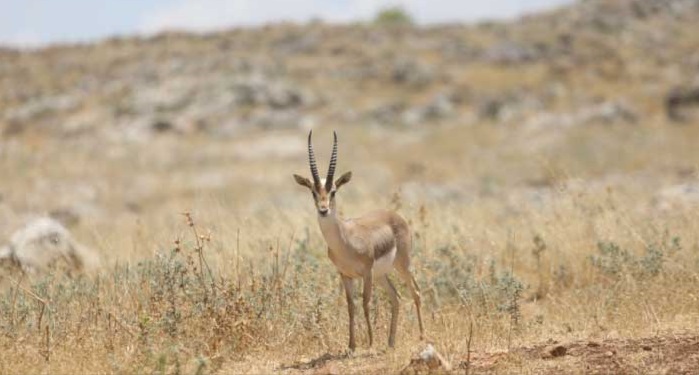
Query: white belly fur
[[384, 264]]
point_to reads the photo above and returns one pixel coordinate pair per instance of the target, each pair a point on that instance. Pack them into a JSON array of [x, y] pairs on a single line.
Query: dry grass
[[524, 251]]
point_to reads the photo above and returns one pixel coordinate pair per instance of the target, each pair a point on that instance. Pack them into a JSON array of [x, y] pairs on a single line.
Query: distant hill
[[286, 76]]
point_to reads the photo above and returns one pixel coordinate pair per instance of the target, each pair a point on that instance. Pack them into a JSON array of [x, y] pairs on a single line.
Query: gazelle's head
[[323, 190]]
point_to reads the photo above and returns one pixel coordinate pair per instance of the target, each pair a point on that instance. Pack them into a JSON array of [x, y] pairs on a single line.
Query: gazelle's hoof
[[350, 351]]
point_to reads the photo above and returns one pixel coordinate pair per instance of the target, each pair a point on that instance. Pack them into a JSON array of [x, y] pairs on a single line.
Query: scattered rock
[[604, 113], [201, 83], [427, 360], [510, 52], [459, 50], [259, 91], [40, 107], [410, 72], [554, 351], [678, 102], [441, 106], [389, 113], [165, 97], [44, 243], [162, 126], [298, 43], [508, 106], [438, 107]]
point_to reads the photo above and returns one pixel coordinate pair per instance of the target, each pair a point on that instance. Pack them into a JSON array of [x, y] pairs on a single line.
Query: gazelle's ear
[[345, 178], [303, 181]]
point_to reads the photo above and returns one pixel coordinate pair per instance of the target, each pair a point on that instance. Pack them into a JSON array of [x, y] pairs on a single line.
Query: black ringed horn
[[312, 161], [333, 161]]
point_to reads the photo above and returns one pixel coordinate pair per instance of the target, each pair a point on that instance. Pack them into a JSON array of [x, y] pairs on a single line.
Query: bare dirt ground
[[673, 354], [665, 354]]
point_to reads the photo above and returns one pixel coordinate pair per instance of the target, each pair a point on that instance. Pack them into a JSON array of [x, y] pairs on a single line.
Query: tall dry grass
[[522, 244]]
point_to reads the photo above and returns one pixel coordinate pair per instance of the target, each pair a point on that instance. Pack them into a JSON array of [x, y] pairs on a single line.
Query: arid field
[[552, 191]]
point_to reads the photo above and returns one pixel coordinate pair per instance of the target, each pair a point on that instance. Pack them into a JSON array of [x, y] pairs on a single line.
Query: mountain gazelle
[[367, 247]]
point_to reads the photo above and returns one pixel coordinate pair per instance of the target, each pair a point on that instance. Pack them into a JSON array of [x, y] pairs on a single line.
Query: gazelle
[[367, 247]]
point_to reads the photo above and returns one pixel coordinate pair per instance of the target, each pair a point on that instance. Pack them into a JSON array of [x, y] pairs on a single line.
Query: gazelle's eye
[[332, 194]]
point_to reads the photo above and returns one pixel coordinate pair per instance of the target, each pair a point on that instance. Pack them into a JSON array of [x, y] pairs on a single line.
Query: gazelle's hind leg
[[395, 307], [409, 280]]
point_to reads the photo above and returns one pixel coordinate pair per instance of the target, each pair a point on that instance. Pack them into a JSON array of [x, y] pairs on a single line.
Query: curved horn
[[333, 162], [312, 161]]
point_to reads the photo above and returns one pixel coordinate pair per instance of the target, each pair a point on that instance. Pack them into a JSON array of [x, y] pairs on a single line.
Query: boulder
[[44, 243]]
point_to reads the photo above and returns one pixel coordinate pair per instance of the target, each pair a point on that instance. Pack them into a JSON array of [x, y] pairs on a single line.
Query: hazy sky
[[36, 22]]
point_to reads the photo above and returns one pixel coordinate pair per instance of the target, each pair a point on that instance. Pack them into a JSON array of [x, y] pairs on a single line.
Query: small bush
[[613, 261], [393, 16]]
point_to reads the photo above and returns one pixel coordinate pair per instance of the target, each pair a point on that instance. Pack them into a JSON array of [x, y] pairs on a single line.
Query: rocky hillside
[[594, 61]]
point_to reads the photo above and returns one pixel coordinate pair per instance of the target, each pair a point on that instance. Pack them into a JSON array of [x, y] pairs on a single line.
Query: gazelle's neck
[[332, 228]]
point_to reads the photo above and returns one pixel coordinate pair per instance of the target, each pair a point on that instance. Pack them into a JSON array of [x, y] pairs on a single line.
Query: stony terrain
[[548, 165], [562, 69]]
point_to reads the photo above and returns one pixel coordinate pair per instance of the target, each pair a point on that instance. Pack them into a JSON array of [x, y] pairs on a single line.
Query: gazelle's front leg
[[366, 299], [349, 293]]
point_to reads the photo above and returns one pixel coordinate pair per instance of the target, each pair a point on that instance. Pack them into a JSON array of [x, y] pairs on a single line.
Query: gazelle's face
[[324, 199], [323, 190]]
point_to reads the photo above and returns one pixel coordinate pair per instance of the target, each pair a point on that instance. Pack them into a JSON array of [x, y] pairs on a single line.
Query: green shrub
[[613, 261], [393, 16]]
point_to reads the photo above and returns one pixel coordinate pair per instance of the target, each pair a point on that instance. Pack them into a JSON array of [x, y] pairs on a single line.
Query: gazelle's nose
[[323, 211]]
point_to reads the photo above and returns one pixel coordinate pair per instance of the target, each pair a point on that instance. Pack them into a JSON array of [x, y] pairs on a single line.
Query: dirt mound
[[662, 354]]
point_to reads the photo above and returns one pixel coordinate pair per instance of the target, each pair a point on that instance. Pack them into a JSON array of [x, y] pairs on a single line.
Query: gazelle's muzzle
[[323, 207]]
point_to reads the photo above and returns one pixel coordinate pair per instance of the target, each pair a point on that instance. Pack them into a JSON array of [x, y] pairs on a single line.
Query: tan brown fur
[[364, 247]]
